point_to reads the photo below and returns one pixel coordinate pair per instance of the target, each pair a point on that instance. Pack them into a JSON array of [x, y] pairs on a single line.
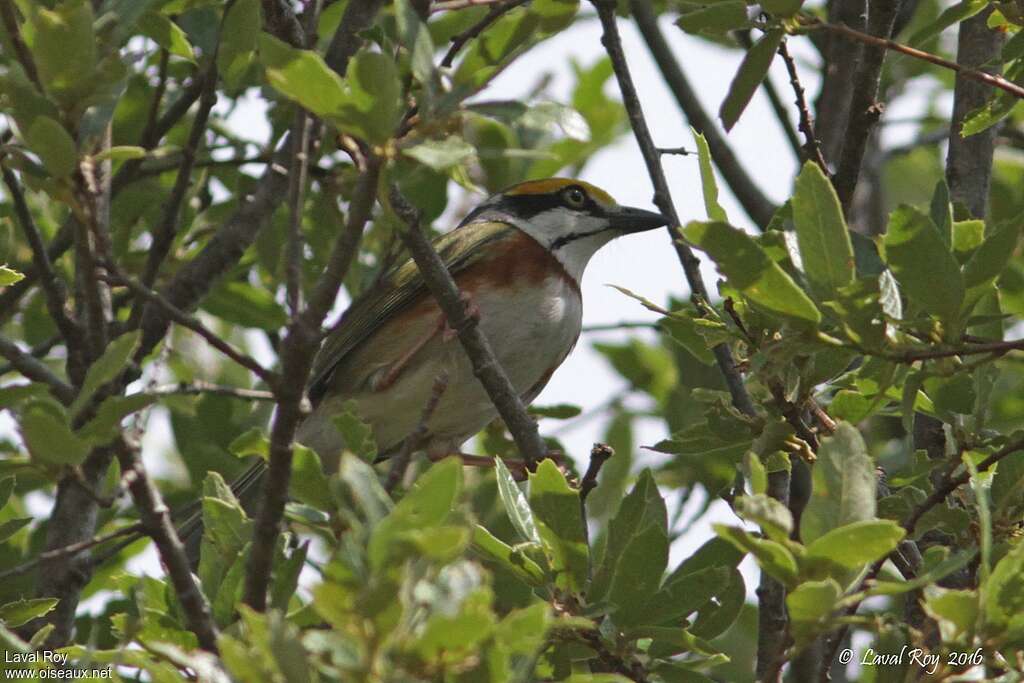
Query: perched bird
[[518, 259]]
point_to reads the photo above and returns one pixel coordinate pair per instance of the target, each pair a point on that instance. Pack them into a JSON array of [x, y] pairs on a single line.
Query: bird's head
[[571, 218]]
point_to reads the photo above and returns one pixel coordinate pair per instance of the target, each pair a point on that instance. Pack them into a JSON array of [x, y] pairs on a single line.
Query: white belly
[[531, 333]]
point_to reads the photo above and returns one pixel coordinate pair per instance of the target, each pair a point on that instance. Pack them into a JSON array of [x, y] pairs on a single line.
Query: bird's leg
[[516, 467], [447, 334], [472, 310]]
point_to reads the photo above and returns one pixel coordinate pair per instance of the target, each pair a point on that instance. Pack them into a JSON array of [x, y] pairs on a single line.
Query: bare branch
[[492, 376], [864, 109], [199, 387], [754, 202], [36, 371], [297, 351], [459, 40], [53, 286], [166, 230], [296, 198], [193, 323], [662, 195], [413, 441], [156, 519], [811, 148], [9, 16], [992, 80], [69, 550]]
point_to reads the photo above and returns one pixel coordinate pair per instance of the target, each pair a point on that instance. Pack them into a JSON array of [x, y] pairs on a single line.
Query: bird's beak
[[628, 219]]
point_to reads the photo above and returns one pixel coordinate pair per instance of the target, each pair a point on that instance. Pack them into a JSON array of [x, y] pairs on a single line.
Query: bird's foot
[[472, 310]]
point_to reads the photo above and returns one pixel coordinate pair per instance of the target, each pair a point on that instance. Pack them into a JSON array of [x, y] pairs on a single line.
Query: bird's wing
[[399, 288]]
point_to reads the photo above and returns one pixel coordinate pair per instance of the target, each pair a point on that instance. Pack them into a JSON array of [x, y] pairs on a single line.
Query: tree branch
[[36, 371], [70, 550], [297, 351], [156, 518], [991, 80], [459, 40], [864, 109], [811, 148], [9, 16], [492, 376], [53, 286], [754, 202]]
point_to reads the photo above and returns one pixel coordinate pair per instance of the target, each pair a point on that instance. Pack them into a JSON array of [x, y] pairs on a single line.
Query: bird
[[518, 259]]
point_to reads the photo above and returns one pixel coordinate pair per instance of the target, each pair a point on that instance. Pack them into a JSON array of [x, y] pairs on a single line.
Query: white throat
[[574, 254]]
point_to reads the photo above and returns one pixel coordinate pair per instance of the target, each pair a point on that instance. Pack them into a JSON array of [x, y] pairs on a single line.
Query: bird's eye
[[575, 197]]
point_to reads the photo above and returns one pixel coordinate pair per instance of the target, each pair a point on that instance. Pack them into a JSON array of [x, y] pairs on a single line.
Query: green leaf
[[747, 268], [941, 211], [558, 411], [48, 436], [427, 504], [641, 508], [952, 394], [237, 49], [772, 516], [373, 106], [242, 304], [825, 248], [441, 155], [748, 78], [810, 605], [47, 138], [121, 153], [556, 509], [1004, 590], [774, 558], [844, 484], [308, 483], [357, 435], [107, 367], [638, 575], [707, 175], [923, 265], [957, 607], [965, 9], [6, 489], [516, 506], [286, 576], [302, 75], [106, 424], [8, 276], [989, 261], [252, 441], [681, 595], [166, 34], [715, 19], [523, 630], [64, 48], [782, 8], [858, 543], [416, 39], [488, 546], [15, 614], [13, 526]]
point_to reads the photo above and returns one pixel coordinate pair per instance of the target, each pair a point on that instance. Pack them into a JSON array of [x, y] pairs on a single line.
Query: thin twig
[[414, 440], [599, 455], [53, 286], [191, 322], [158, 95], [677, 151], [459, 40], [624, 325], [36, 371], [199, 387], [451, 5], [9, 16], [993, 80], [296, 198], [167, 229], [811, 148], [70, 550], [492, 376], [38, 351]]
